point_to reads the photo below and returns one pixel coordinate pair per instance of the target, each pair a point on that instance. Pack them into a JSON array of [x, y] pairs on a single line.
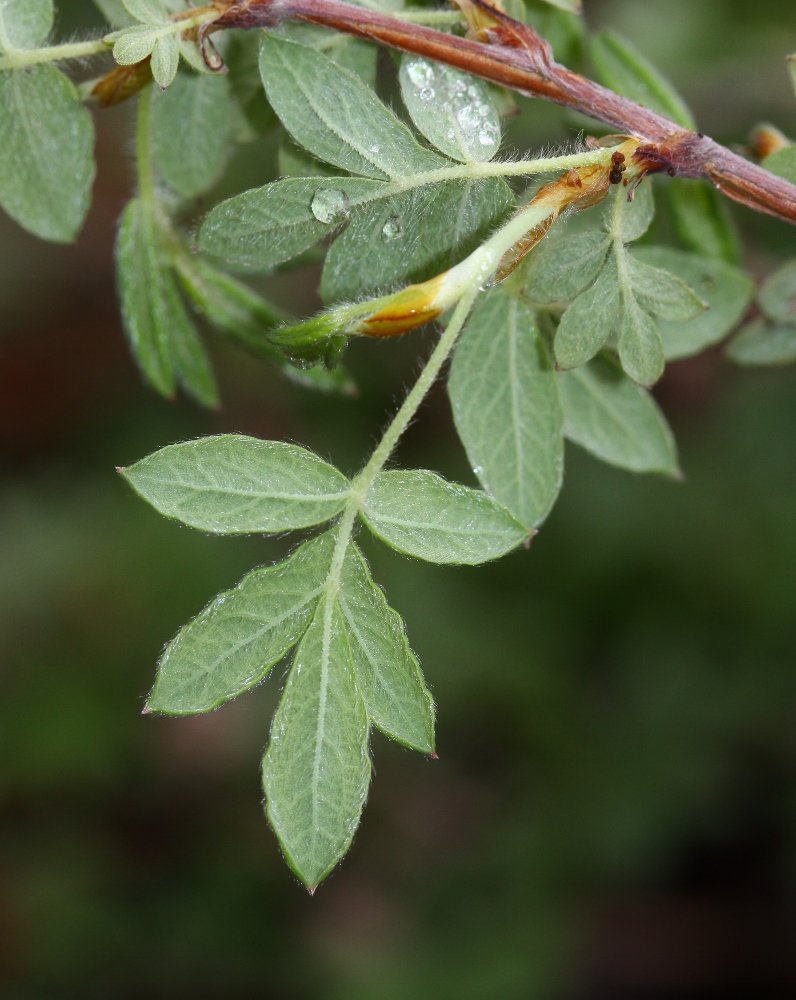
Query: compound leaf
[[387, 672], [412, 236], [590, 320], [778, 295], [662, 293], [316, 770], [560, 268], [271, 224], [616, 420], [190, 126], [624, 69], [135, 44], [726, 289], [422, 515], [758, 343], [46, 154], [24, 24], [329, 111], [451, 109], [505, 404], [139, 277], [640, 347], [232, 645], [165, 60], [232, 484]]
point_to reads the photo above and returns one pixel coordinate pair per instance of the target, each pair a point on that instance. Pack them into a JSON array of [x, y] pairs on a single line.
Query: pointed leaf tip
[[311, 889], [435, 756]]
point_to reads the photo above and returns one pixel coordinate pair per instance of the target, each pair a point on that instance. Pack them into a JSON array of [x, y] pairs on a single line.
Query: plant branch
[[515, 56], [20, 58]]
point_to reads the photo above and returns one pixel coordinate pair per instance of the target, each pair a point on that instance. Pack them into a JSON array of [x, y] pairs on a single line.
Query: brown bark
[[515, 56]]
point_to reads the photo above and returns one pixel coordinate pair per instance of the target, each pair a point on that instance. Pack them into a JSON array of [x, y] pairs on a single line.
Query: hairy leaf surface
[[316, 770], [139, 278], [640, 347], [505, 403], [412, 236], [190, 125], [662, 293], [330, 112], [233, 644], [271, 224], [590, 320], [46, 154], [637, 215], [451, 109], [232, 484], [560, 268], [615, 419], [387, 672], [726, 289], [24, 24], [188, 356], [422, 515]]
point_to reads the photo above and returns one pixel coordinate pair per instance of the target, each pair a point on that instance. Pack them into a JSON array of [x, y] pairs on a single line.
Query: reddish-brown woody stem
[[515, 56]]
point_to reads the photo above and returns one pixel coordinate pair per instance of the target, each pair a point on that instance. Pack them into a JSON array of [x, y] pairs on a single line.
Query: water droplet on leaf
[[393, 228], [328, 204]]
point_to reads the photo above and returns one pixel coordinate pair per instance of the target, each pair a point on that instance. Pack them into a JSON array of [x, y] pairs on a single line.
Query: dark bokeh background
[[613, 816]]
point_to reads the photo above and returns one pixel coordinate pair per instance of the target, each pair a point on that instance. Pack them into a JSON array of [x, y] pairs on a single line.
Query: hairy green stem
[[20, 58], [505, 168], [362, 483]]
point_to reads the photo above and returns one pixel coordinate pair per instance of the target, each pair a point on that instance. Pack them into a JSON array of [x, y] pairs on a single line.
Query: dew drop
[[393, 228], [328, 204], [427, 94], [375, 148]]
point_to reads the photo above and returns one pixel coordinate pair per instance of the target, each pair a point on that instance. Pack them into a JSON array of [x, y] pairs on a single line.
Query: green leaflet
[[758, 343], [354, 54], [590, 320], [615, 419], [637, 215], [560, 268], [232, 484], [726, 289], [661, 293], [271, 224], [190, 128], [783, 162], [147, 11], [188, 356], [413, 236], [316, 770], [778, 295], [135, 44], [387, 672], [621, 67], [165, 60], [293, 161], [505, 403], [139, 277], [46, 154], [24, 24], [233, 644], [451, 109], [422, 515], [573, 6], [703, 221], [330, 112], [640, 347]]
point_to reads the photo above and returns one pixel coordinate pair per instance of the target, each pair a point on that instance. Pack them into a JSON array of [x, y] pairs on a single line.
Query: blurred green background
[[613, 816]]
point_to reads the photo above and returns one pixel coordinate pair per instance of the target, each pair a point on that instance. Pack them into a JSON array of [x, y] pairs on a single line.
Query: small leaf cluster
[[352, 666]]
